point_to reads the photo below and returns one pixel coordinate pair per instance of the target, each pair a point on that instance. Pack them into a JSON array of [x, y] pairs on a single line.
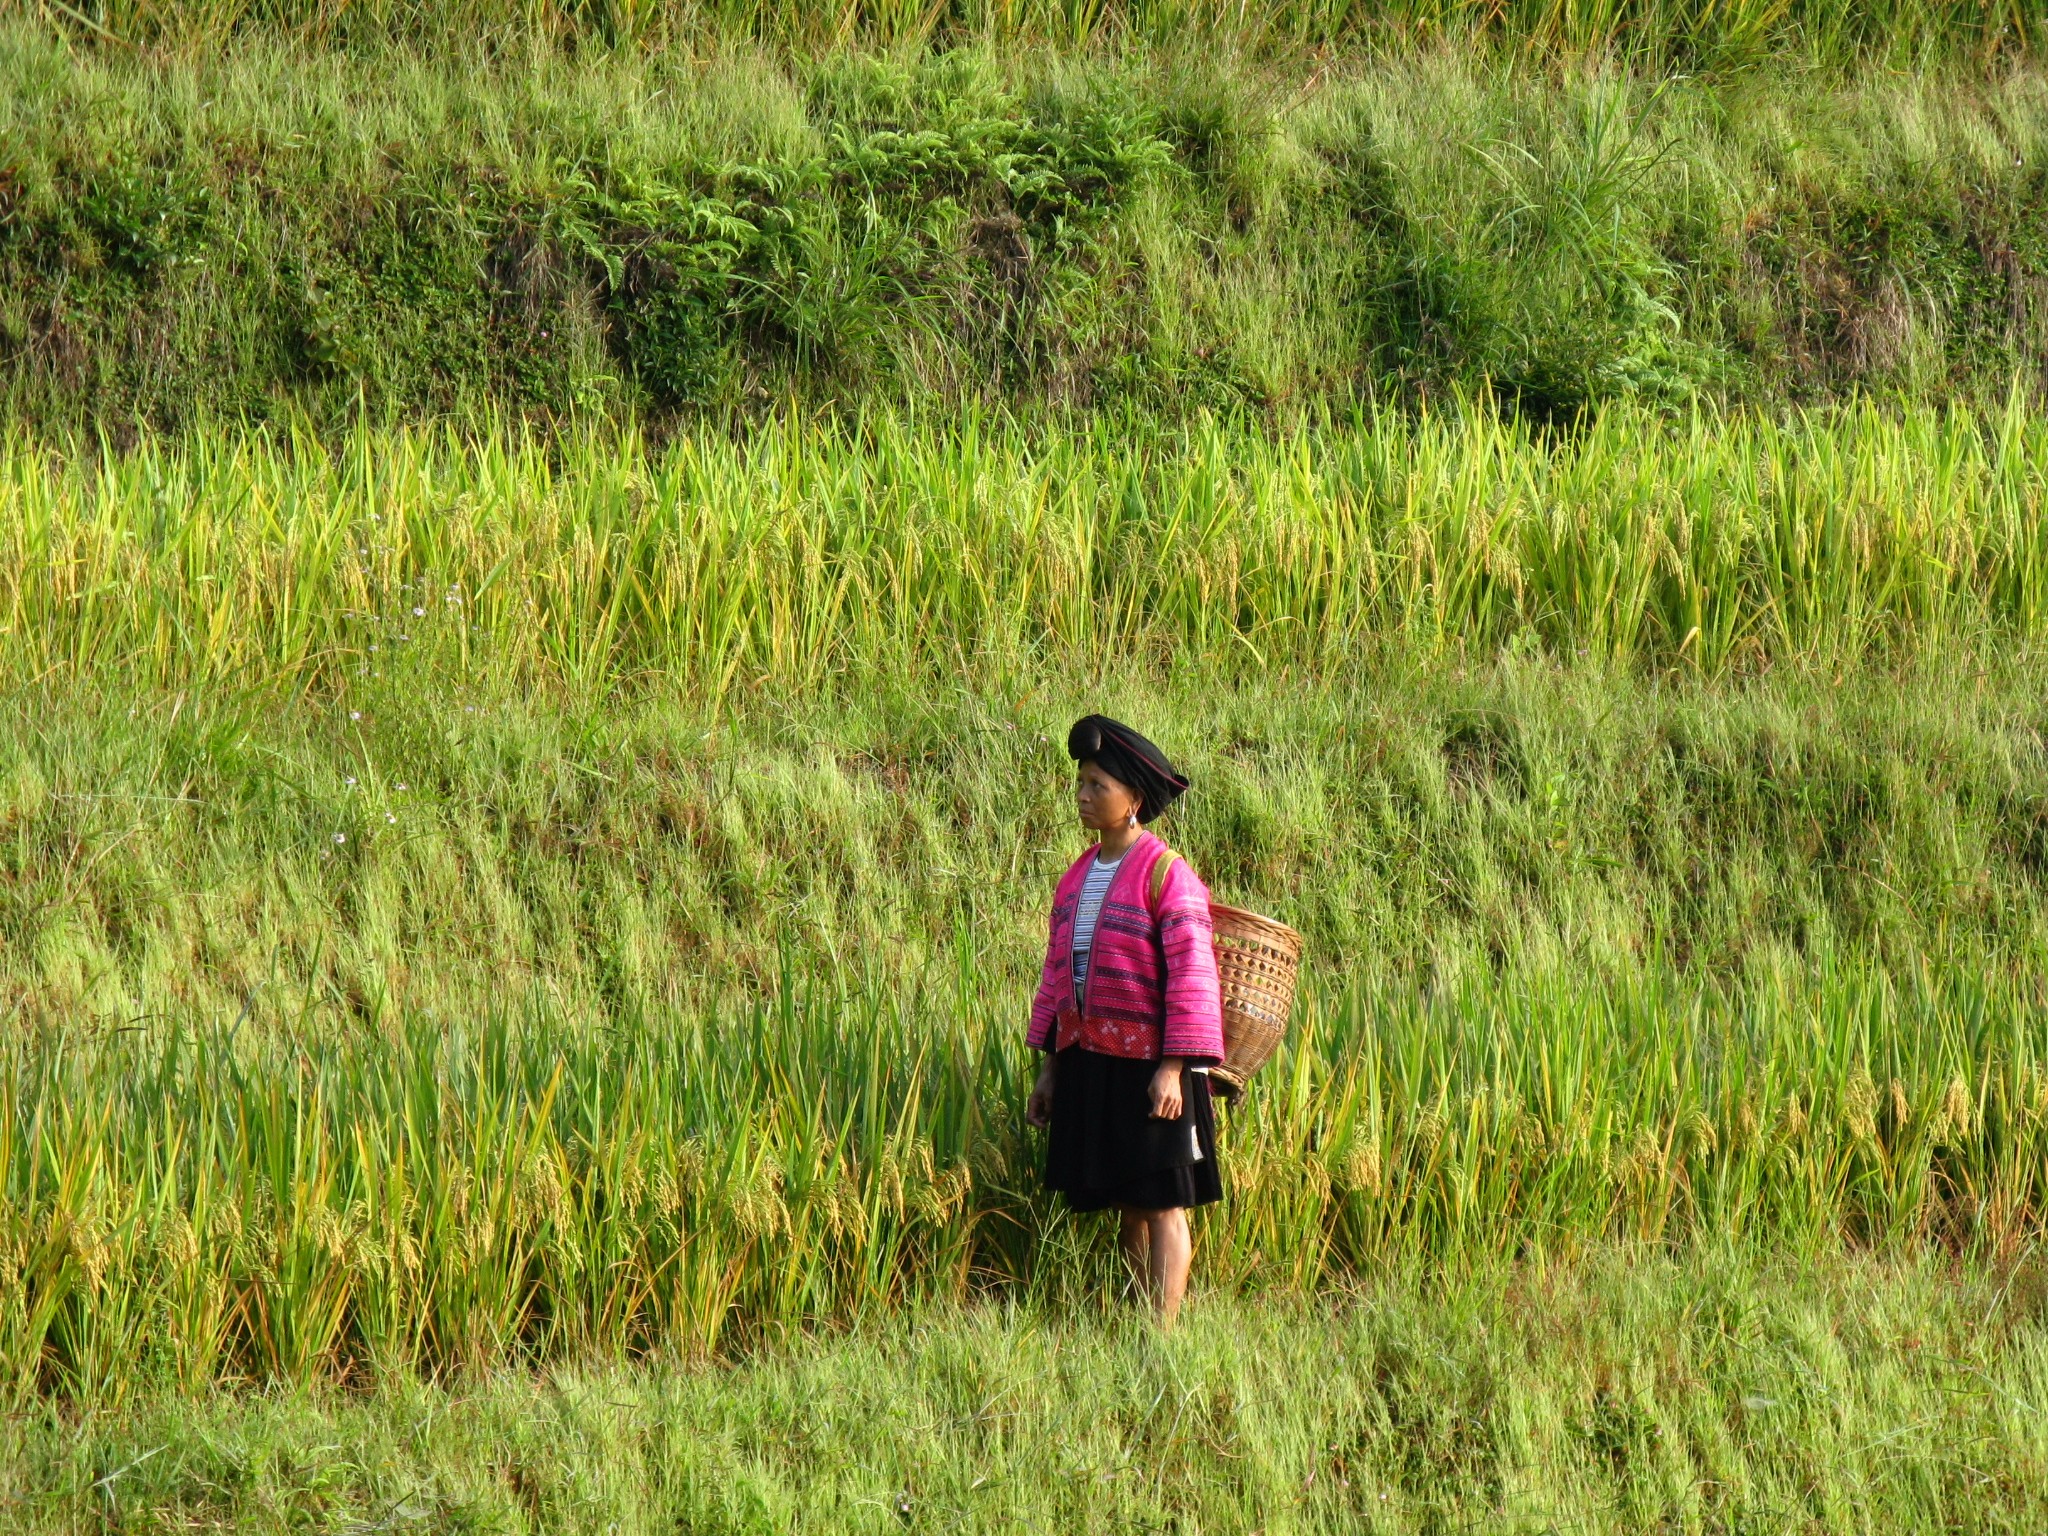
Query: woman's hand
[[1038, 1108], [1166, 1099]]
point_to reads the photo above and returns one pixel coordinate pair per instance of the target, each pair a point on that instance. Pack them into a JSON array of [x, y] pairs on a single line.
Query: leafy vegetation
[[1687, 33], [711, 231]]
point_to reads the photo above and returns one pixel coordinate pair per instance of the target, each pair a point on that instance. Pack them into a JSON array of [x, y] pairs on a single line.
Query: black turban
[[1128, 758]]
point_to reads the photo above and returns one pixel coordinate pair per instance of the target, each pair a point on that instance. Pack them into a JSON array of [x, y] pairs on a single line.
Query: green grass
[[1694, 33], [1415, 820], [1621, 1393], [712, 229]]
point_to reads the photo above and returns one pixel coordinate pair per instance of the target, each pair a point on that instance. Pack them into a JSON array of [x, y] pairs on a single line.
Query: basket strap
[[1159, 870]]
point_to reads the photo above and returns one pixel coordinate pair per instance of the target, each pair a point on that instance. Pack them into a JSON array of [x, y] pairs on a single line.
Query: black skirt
[[1105, 1148]]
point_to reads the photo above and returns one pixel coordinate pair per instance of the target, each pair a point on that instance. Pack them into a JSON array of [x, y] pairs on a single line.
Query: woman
[[1129, 1015]]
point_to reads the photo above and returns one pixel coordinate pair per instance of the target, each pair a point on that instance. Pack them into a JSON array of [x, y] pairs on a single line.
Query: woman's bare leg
[[1159, 1250], [1134, 1236], [1173, 1253]]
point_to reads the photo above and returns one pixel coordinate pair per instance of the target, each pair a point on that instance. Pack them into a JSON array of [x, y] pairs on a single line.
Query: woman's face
[[1104, 803]]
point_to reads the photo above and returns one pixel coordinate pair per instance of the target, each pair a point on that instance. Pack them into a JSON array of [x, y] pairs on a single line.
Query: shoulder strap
[[1159, 869]]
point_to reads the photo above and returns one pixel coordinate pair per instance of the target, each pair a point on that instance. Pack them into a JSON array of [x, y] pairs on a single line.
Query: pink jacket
[[1152, 987]]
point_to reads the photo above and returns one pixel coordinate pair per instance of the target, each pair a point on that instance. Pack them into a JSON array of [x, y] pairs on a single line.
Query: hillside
[[717, 225], [547, 552]]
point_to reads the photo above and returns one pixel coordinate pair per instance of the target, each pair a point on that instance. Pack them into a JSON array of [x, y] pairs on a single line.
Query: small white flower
[[357, 714], [401, 789], [351, 783], [419, 613], [391, 818], [341, 837]]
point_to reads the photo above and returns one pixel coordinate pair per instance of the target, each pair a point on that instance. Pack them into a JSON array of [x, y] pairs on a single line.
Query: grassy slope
[[713, 226], [1414, 821], [1623, 1394]]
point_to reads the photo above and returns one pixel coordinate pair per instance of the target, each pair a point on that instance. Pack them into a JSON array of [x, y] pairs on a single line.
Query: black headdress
[[1128, 758]]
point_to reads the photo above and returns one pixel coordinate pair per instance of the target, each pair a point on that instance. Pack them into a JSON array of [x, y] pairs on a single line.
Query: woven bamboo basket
[[1257, 960]]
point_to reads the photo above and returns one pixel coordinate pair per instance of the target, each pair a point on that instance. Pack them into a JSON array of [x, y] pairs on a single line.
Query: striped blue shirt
[[1094, 886]]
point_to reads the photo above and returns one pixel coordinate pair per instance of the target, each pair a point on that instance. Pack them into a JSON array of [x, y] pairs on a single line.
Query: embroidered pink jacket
[[1151, 988]]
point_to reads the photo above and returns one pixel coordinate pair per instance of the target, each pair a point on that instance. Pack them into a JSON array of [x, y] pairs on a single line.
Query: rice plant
[[819, 549], [340, 1179], [201, 1203]]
